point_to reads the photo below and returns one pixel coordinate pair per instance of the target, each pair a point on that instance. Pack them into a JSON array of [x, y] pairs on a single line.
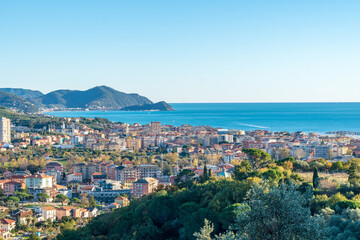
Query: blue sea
[[307, 117]]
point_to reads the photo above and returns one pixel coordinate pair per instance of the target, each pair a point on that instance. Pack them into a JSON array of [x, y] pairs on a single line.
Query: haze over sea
[[307, 117]]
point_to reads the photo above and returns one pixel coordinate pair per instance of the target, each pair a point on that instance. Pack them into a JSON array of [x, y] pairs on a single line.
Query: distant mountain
[[24, 93], [17, 103], [101, 97], [160, 106], [97, 98]]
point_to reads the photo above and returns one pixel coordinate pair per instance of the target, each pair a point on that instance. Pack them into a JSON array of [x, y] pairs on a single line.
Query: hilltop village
[[61, 175]]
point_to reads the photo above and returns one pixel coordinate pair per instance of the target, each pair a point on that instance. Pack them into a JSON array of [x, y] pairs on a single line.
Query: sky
[[185, 50]]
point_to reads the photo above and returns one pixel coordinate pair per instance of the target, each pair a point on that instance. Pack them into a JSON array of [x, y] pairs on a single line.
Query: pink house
[[11, 187]]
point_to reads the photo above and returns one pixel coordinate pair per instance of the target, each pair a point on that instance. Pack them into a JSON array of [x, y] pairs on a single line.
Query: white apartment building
[[39, 181], [5, 130]]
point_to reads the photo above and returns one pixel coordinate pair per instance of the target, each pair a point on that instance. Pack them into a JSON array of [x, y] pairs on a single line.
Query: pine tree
[[92, 202], [316, 178], [353, 169], [204, 177]]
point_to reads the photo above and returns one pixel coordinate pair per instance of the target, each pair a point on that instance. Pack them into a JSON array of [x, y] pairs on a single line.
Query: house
[[144, 186], [74, 177], [48, 213], [123, 201], [7, 224], [11, 187], [93, 212], [51, 166], [39, 181], [4, 234], [23, 215], [97, 177], [64, 211], [87, 189]]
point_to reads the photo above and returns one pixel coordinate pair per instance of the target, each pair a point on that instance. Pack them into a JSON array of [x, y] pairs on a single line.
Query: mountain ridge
[[17, 103], [96, 98]]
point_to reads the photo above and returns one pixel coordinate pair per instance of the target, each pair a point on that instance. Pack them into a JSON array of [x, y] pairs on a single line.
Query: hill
[[17, 103], [168, 214], [24, 93], [101, 97], [160, 106]]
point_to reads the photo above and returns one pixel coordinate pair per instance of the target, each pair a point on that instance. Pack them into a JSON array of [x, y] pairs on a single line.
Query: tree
[[257, 158], [205, 232], [60, 198], [43, 197], [353, 169], [272, 212], [316, 178], [336, 166], [344, 226], [185, 178], [299, 153], [92, 202], [283, 153]]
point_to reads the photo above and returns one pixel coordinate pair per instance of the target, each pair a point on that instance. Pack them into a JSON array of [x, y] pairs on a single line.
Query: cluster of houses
[[192, 140]]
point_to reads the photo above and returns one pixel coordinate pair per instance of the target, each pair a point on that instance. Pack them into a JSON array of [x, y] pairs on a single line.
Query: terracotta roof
[[39, 176], [49, 208], [7, 221], [96, 173]]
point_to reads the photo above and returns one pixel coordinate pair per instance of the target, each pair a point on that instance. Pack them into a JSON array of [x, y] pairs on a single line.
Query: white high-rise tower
[[5, 130]]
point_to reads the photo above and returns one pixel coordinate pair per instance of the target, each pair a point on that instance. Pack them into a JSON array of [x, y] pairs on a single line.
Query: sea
[[291, 117]]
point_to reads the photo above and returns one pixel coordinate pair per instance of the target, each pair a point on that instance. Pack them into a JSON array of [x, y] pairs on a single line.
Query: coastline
[[290, 117]]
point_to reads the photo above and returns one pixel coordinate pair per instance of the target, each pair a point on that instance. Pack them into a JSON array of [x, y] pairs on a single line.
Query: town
[[61, 175]]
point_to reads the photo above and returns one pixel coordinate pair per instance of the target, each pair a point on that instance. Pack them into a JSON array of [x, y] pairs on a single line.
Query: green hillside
[[15, 102], [95, 98], [24, 93]]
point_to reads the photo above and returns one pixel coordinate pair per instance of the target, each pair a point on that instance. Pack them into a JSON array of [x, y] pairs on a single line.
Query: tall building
[[155, 128], [5, 130]]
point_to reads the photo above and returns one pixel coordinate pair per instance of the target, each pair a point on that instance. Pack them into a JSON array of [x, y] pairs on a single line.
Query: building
[[87, 169], [64, 211], [123, 201], [322, 152], [39, 181], [144, 186], [133, 143], [95, 177], [155, 128], [147, 171], [74, 177], [11, 187], [7, 224], [54, 166], [48, 213], [24, 216], [5, 130], [124, 172]]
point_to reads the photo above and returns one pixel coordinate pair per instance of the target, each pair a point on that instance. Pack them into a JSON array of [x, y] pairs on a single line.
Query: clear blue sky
[[185, 50]]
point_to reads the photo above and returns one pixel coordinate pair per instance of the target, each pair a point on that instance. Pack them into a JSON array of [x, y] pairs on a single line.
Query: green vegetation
[[10, 100], [24, 93], [97, 97], [265, 200]]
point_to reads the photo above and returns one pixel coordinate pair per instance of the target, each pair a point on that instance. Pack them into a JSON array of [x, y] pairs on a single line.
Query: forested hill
[[97, 98], [24, 93], [168, 214], [101, 97], [265, 200], [15, 102]]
